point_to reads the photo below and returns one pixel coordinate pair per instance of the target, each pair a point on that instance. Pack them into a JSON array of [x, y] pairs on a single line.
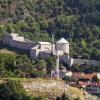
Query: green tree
[[12, 90], [2, 31], [9, 28], [51, 63], [41, 64], [65, 97]]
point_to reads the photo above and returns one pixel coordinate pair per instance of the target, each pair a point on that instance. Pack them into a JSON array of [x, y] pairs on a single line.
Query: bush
[[13, 90]]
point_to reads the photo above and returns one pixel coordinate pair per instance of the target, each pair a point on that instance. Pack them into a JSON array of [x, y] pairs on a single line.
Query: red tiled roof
[[84, 76], [81, 83], [94, 84]]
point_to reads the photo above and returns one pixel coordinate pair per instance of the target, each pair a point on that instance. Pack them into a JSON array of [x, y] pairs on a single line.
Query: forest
[[78, 21]]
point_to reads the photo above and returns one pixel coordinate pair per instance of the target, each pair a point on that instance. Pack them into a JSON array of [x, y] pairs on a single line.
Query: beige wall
[[45, 46], [64, 47]]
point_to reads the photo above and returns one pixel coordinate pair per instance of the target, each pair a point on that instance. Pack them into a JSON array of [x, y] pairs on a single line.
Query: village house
[[93, 88], [90, 87], [88, 82], [83, 76]]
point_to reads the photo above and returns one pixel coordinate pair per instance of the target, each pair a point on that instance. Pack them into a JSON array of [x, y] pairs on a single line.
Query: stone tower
[[63, 45]]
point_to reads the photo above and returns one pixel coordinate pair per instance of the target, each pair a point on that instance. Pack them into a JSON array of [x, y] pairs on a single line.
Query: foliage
[[85, 68], [69, 79], [76, 20], [12, 90], [65, 97], [51, 63], [21, 66]]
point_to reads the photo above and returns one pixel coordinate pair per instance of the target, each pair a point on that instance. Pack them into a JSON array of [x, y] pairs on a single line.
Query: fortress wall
[[44, 54], [37, 54], [85, 61], [18, 42], [34, 54], [21, 45], [72, 61], [65, 59], [6, 39]]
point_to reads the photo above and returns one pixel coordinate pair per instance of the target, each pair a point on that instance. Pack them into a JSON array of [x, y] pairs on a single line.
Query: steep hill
[[76, 20]]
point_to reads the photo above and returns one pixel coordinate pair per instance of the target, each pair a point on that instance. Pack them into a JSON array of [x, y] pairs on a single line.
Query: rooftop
[[62, 40], [81, 83], [46, 43], [83, 75]]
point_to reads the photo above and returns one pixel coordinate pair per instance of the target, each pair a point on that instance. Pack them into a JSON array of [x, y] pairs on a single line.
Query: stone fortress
[[38, 50], [42, 50]]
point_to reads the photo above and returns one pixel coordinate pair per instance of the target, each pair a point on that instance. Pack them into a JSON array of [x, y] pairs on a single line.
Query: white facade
[[45, 46], [63, 45]]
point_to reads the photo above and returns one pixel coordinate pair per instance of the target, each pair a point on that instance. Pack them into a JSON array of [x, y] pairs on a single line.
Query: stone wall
[[72, 61], [6, 39], [16, 41], [34, 54], [84, 61], [22, 45], [37, 54], [44, 54]]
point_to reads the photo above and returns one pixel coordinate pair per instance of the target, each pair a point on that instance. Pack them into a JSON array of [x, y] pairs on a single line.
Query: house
[[90, 87], [93, 88], [83, 76], [98, 76]]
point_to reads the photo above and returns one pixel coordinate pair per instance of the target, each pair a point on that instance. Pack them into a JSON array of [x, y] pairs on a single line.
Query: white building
[[44, 49], [63, 45]]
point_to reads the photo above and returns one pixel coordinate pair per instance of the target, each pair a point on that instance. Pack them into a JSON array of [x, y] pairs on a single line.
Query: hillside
[[76, 20], [51, 88]]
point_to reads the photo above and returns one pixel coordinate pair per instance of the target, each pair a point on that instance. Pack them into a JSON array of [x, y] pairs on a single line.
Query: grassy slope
[[52, 91]]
